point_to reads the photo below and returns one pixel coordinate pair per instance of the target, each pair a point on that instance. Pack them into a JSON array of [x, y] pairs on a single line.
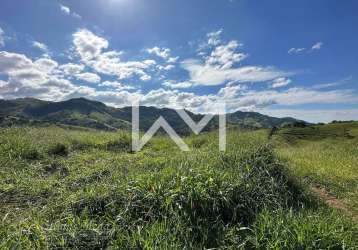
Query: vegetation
[[324, 156], [82, 188], [92, 114]]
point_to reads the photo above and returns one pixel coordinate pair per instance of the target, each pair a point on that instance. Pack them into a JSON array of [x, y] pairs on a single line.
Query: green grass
[[66, 188], [329, 158]]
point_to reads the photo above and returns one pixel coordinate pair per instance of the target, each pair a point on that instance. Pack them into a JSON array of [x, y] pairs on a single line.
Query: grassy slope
[[84, 189], [93, 114], [324, 155]]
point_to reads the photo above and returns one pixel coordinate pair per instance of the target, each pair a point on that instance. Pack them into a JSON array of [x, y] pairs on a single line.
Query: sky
[[295, 58]]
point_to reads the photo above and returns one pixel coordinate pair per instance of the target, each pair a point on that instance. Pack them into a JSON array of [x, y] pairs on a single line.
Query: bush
[[31, 154], [203, 201], [58, 149]]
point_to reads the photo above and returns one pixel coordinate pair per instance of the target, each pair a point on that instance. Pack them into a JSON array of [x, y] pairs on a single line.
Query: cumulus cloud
[[88, 45], [280, 82], [219, 66], [40, 46], [67, 11], [203, 74], [224, 56], [177, 85], [71, 69], [90, 48], [164, 53], [166, 67], [110, 63], [32, 78], [115, 85], [88, 77], [214, 37], [44, 78], [230, 91], [2, 84], [160, 52], [41, 79], [46, 65], [317, 46], [12, 62]]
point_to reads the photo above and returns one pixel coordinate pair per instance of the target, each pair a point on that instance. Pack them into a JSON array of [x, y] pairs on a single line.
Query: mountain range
[[93, 114]]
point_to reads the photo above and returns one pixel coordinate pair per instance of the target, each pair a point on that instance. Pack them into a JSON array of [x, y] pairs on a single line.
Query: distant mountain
[[92, 114]]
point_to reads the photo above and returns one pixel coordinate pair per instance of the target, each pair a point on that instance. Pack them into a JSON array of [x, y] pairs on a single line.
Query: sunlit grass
[[65, 188], [329, 161]]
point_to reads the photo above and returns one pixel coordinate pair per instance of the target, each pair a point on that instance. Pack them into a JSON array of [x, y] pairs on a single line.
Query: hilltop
[[93, 114]]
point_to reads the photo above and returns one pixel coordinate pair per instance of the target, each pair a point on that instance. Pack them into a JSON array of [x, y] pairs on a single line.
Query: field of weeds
[[85, 189]]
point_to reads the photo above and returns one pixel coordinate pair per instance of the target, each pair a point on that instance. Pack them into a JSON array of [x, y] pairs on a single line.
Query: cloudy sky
[[283, 58]]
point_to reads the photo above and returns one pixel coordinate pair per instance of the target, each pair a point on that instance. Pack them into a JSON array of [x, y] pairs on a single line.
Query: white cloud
[[219, 66], [317, 46], [46, 65], [224, 56], [115, 85], [208, 75], [2, 84], [214, 37], [280, 82], [160, 52], [90, 48], [40, 46], [230, 91], [32, 78], [332, 84], [44, 78], [37, 79], [71, 69], [12, 62], [67, 11], [177, 85], [293, 96], [163, 53], [110, 63], [314, 115], [88, 77], [75, 15], [88, 45], [166, 67], [296, 50], [172, 59], [2, 38]]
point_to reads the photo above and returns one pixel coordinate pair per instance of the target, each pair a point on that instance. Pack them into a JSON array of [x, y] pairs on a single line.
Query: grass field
[[83, 189], [326, 156]]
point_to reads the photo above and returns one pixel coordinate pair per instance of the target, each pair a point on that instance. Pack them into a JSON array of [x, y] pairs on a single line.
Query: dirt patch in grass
[[332, 201]]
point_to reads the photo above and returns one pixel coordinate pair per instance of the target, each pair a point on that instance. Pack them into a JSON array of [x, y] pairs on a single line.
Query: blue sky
[[282, 58]]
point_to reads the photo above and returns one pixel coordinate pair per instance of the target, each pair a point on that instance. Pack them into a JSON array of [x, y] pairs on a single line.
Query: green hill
[[92, 114]]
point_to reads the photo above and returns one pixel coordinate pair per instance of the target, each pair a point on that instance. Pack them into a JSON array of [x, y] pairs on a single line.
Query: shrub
[[30, 154], [58, 149]]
